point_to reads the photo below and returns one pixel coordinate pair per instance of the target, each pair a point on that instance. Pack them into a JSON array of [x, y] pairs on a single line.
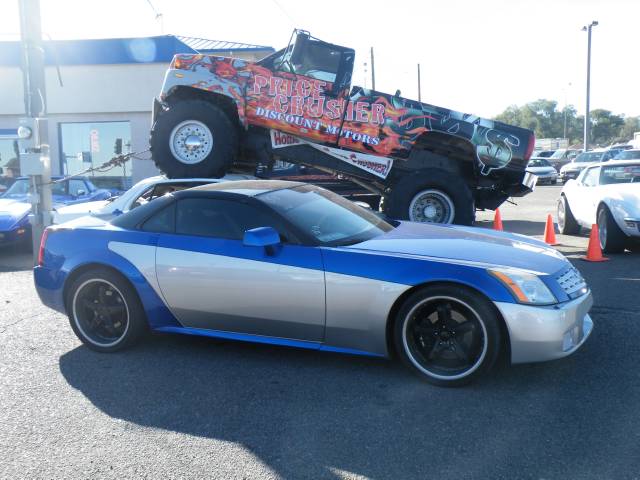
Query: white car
[[142, 192], [606, 194], [542, 169]]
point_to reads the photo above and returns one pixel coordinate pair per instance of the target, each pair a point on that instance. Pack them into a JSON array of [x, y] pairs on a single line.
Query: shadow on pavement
[[15, 259], [313, 415]]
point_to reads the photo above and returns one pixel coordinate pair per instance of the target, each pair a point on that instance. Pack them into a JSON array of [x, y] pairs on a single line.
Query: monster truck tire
[[193, 138], [434, 189]]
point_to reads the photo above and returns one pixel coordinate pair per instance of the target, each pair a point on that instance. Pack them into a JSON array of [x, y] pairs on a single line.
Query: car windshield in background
[[18, 189], [589, 157], [327, 217], [620, 174], [558, 154], [628, 155], [539, 162]]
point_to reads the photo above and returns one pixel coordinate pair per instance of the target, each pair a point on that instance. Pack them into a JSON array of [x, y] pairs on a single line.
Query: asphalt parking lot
[[191, 407]]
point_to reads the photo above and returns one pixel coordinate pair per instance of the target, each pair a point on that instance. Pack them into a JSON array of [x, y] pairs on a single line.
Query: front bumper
[[538, 334]]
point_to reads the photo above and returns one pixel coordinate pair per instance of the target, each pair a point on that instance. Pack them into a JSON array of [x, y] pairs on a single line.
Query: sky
[[476, 56]]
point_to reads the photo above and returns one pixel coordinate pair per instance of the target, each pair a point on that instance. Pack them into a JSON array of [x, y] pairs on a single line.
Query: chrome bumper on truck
[[538, 334]]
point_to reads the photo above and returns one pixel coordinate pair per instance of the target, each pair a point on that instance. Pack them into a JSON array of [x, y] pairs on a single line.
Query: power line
[[283, 11]]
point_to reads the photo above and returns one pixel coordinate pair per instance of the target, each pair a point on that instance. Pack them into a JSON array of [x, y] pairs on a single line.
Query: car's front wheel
[[104, 311], [448, 334]]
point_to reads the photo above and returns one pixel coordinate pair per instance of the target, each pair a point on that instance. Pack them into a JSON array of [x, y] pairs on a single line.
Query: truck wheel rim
[[191, 142], [432, 206]]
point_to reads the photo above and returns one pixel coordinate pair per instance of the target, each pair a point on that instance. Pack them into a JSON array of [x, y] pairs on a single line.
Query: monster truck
[[429, 164]]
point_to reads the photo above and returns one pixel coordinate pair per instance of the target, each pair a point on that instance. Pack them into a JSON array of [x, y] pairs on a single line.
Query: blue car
[[15, 206], [293, 264]]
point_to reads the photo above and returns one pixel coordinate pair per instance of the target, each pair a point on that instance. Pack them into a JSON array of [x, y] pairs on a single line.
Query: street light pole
[[587, 122]]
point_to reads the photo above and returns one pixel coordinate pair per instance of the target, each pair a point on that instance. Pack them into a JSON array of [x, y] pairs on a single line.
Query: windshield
[[327, 217], [559, 153], [628, 155], [20, 188], [589, 157], [539, 162], [620, 174]]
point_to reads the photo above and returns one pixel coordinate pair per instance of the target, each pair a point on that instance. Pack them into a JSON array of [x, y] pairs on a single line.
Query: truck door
[[301, 90]]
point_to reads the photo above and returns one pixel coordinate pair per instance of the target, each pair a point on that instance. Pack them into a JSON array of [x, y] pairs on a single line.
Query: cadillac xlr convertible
[[293, 264]]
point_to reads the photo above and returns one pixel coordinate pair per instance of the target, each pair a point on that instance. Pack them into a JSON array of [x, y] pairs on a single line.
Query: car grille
[[572, 282]]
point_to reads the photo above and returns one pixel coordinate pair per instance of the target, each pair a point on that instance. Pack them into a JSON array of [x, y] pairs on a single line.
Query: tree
[[543, 117]]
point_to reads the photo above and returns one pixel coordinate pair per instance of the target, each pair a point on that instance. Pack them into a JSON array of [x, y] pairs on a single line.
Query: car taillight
[[532, 144], [43, 242]]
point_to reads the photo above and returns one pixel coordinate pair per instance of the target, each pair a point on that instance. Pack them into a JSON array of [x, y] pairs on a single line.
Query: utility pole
[[373, 72], [33, 130], [419, 92], [587, 122]]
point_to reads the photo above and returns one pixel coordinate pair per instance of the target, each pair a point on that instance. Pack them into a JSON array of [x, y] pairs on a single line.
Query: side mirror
[[80, 193], [266, 237]]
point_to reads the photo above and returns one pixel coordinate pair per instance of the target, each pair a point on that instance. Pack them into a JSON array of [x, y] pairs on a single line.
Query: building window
[[90, 144]]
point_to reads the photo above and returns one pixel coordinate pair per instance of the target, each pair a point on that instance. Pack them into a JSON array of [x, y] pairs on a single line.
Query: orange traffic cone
[[550, 232], [594, 253], [497, 221]]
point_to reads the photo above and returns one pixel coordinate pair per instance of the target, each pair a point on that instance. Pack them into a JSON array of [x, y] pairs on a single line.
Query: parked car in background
[[628, 155], [571, 170], [15, 206], [542, 153], [542, 169], [607, 194], [5, 183], [296, 265], [141, 193], [563, 156]]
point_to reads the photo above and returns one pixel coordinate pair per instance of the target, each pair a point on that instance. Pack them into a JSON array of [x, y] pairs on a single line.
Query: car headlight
[[525, 287]]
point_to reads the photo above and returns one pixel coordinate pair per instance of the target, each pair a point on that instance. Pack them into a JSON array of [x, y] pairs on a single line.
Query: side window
[[226, 219], [591, 177], [163, 221], [77, 187]]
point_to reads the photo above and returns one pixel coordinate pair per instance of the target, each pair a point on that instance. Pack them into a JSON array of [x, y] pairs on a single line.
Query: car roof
[[249, 188], [617, 163]]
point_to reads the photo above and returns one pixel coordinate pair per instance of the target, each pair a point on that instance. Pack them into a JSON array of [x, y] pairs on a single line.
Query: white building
[[103, 92]]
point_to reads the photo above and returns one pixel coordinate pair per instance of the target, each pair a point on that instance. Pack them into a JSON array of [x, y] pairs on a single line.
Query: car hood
[[576, 166], [467, 245], [627, 194], [11, 211], [83, 208]]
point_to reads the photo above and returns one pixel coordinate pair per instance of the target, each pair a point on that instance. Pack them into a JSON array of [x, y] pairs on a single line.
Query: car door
[[211, 280], [585, 209]]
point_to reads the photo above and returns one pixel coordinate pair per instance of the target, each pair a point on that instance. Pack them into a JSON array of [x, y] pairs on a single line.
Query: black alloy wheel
[[448, 335], [104, 311]]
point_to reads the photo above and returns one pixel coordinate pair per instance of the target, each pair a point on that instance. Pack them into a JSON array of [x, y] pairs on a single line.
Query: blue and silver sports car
[[15, 206], [293, 264]]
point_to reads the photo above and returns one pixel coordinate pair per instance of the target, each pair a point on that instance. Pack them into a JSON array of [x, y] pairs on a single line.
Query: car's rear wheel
[[193, 138], [612, 239], [567, 224], [432, 196], [104, 311], [447, 334]]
